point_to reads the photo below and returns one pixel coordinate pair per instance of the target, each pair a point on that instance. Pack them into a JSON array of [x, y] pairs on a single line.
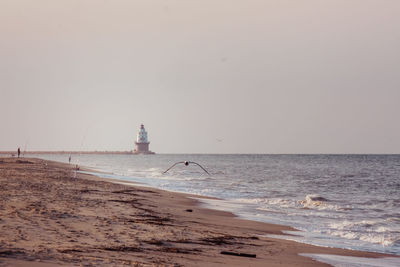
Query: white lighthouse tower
[[142, 143]]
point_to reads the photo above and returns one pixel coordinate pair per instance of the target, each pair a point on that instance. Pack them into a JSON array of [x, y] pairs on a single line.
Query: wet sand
[[50, 217]]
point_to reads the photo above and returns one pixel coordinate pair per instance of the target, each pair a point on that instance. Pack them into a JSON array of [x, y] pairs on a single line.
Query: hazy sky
[[209, 76]]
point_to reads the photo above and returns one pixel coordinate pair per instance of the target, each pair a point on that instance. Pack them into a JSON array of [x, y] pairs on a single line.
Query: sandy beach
[[49, 216]]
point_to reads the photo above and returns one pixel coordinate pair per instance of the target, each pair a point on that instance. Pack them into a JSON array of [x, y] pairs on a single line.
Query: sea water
[[345, 201]]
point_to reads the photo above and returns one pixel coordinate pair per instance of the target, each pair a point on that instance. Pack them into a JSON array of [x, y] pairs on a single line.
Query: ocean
[[344, 201]]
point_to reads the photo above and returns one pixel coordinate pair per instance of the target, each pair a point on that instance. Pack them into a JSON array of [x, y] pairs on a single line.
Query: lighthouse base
[[143, 152], [142, 148]]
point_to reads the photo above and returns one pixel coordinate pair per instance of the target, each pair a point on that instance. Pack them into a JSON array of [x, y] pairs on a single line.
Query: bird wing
[[173, 166], [200, 167]]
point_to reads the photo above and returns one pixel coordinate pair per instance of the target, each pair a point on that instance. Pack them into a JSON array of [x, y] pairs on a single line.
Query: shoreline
[[90, 220], [14, 153]]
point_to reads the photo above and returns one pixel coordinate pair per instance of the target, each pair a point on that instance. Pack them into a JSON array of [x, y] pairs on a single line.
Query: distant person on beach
[[19, 152], [69, 159]]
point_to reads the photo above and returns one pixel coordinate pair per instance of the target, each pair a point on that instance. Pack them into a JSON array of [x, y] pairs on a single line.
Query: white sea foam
[[375, 238], [348, 261], [267, 203], [382, 229], [251, 200], [352, 224], [314, 201], [384, 240]]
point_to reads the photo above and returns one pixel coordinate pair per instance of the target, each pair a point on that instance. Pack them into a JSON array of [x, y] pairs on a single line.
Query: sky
[[210, 76]]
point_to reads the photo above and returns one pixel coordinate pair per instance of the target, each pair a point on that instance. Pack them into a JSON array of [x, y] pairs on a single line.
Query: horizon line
[[12, 152]]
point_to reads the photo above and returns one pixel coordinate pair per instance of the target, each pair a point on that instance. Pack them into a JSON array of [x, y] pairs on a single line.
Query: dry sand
[[50, 218]]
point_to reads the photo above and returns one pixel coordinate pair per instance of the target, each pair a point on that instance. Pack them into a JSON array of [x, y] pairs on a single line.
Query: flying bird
[[186, 163]]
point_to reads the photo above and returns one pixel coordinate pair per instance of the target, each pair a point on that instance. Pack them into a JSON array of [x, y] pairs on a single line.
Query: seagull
[[186, 163]]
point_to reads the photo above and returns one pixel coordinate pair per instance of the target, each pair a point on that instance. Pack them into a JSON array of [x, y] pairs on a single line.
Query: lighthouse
[[142, 142]]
